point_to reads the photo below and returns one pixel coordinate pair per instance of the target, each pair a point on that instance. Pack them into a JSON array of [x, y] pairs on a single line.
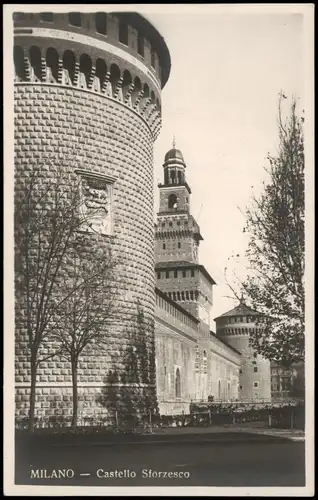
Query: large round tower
[[88, 86], [236, 327]]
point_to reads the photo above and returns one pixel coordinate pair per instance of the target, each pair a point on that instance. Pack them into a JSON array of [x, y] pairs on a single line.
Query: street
[[215, 463]]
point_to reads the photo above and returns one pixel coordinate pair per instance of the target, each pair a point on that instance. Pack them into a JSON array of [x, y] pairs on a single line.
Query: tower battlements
[[120, 56]]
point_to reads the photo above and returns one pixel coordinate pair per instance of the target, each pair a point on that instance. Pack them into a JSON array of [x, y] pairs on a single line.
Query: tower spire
[[174, 142]]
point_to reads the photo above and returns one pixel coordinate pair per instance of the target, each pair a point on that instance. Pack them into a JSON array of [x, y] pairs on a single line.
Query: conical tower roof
[[240, 310]]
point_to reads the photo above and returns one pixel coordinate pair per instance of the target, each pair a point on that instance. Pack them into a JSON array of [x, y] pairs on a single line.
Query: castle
[[94, 81]]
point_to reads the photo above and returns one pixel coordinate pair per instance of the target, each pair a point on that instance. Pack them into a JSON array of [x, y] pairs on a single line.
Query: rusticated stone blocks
[[99, 135]]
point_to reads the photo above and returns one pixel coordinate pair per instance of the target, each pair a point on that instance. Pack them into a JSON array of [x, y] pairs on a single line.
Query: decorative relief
[[96, 206]]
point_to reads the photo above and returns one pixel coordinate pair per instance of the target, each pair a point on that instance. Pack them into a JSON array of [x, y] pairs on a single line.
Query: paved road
[[262, 463]]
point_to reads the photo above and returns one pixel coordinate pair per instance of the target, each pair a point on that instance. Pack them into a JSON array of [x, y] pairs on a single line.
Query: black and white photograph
[[158, 249]]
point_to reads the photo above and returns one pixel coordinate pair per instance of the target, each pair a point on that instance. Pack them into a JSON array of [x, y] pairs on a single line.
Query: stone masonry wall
[[109, 139]]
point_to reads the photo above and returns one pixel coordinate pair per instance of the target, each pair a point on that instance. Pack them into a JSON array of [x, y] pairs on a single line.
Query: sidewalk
[[219, 434], [292, 434]]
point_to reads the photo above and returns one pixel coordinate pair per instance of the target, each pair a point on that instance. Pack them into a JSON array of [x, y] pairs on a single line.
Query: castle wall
[[255, 373], [66, 117], [207, 366]]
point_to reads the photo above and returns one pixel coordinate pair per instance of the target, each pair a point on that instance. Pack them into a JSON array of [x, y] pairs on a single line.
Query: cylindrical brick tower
[[90, 85], [236, 327]]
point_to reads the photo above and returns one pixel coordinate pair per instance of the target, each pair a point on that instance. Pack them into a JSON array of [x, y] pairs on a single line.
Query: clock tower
[[177, 239]]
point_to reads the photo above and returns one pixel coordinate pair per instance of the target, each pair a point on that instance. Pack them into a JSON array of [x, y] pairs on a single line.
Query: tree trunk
[[75, 392], [32, 392]]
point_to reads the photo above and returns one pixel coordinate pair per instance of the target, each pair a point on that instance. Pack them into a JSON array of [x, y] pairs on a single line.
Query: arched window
[[172, 201], [75, 18], [178, 384], [114, 76], [85, 70], [180, 180], [100, 74], [19, 62], [136, 91], [35, 58], [52, 60], [127, 81], [101, 23], [69, 67], [173, 176]]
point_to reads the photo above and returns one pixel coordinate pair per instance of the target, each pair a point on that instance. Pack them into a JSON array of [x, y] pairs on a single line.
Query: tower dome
[[174, 154]]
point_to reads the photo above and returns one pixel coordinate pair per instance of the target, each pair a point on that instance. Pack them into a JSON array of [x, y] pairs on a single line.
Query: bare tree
[[83, 320], [275, 222], [48, 217]]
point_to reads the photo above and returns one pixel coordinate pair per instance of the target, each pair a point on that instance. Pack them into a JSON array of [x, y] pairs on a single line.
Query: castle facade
[[87, 98]]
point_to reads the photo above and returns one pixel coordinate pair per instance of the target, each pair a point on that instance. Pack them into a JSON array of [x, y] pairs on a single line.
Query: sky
[[228, 65], [220, 102]]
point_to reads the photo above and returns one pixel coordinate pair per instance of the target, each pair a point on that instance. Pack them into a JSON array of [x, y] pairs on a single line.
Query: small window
[[164, 246], [192, 273], [178, 223], [255, 384], [178, 384], [170, 223], [241, 387], [46, 17], [176, 274], [255, 354], [19, 16], [75, 18], [241, 372], [101, 23], [153, 60], [179, 244], [184, 274], [163, 224], [253, 362], [158, 276], [167, 274], [123, 32], [140, 45], [255, 369]]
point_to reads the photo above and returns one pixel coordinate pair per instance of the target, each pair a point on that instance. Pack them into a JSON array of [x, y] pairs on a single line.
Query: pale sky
[[221, 104]]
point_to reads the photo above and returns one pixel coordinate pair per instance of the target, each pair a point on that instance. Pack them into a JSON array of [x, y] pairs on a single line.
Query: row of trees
[[65, 296], [273, 283]]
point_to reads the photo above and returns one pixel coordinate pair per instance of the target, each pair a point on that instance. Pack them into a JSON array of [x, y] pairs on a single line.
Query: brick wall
[[111, 139]]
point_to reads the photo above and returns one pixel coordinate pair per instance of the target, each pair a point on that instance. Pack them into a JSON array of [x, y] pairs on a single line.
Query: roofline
[[147, 25], [176, 305], [224, 315], [214, 335], [187, 266]]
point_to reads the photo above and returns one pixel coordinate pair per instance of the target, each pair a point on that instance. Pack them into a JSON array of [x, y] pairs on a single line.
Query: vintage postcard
[[158, 244]]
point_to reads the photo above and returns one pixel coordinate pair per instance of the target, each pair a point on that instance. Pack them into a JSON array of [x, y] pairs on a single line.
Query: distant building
[[236, 326], [287, 382], [192, 362]]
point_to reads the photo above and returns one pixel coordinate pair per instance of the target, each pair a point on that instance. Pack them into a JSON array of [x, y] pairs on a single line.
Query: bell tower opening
[[172, 201]]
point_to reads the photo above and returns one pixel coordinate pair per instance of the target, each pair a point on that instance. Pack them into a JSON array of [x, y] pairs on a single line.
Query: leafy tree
[[274, 285]]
